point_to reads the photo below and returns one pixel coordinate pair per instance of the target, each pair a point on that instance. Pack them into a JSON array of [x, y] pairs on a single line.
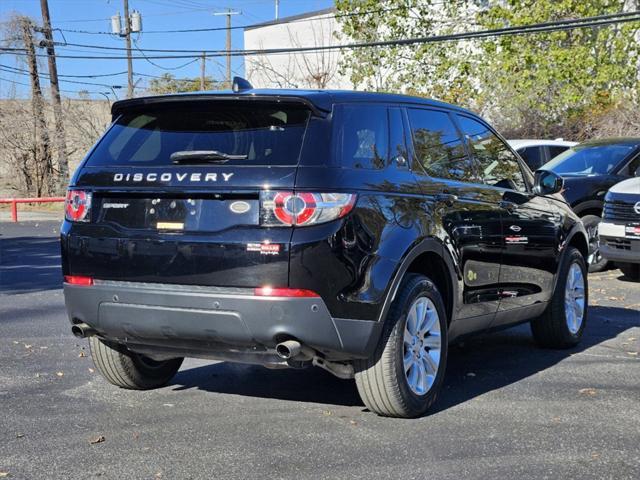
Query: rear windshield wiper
[[186, 156]]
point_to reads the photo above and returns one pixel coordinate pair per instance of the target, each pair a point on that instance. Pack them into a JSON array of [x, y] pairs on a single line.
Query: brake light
[[284, 209], [77, 207], [78, 280], [284, 292]]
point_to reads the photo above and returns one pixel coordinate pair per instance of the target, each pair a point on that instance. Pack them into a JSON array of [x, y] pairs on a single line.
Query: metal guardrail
[[15, 201]]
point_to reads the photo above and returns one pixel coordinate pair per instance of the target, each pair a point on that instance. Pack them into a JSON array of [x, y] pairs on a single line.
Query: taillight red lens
[[78, 206], [279, 209], [284, 292], [78, 280]]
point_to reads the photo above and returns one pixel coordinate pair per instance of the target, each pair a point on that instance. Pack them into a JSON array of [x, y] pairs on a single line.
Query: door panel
[[529, 223], [466, 212]]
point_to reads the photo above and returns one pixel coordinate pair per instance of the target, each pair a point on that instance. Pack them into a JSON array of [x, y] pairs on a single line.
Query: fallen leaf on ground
[[19, 435], [91, 370], [327, 412], [27, 345], [353, 422], [4, 474], [595, 455], [60, 374], [98, 439], [82, 354], [15, 342], [614, 298], [634, 354], [588, 391]]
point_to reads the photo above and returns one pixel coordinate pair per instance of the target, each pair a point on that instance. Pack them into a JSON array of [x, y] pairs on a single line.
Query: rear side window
[[555, 150], [499, 167], [533, 156], [438, 146], [361, 136], [263, 133]]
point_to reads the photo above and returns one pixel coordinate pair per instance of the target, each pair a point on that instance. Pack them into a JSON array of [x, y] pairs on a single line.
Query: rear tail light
[[283, 292], [78, 280], [77, 207], [284, 209]]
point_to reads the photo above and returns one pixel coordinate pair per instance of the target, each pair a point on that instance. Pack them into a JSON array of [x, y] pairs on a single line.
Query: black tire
[[551, 330], [630, 270], [381, 379], [598, 263], [131, 370]]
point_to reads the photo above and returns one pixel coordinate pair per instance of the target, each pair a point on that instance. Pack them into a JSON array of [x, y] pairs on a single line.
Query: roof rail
[[240, 84]]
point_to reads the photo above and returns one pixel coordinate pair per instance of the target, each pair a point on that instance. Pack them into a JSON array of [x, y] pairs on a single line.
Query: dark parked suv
[[358, 232]]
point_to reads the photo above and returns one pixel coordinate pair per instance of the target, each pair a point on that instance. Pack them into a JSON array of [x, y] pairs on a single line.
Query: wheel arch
[[591, 207], [429, 258]]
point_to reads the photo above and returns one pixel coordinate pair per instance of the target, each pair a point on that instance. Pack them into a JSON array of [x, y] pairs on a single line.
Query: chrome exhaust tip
[[82, 330]]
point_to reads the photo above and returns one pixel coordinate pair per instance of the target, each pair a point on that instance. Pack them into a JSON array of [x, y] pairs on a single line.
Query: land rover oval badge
[[239, 207]]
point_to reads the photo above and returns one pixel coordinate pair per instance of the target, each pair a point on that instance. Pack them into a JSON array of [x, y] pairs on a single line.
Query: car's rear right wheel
[[130, 370], [405, 373]]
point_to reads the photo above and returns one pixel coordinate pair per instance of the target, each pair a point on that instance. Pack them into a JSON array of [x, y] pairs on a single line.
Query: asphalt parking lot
[[508, 408]]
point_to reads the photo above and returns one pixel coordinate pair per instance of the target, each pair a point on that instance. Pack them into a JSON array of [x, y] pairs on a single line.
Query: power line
[[66, 91], [545, 27], [251, 25], [8, 69]]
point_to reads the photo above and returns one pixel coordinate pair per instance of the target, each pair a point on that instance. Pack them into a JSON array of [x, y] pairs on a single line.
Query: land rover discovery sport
[[357, 232]]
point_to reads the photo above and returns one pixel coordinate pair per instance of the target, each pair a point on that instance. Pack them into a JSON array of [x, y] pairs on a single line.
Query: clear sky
[[94, 16]]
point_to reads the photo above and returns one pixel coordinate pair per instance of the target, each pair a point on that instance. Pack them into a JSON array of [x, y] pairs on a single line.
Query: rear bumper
[[214, 322]]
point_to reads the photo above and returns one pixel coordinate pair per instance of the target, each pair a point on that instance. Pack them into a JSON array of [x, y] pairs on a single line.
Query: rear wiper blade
[[186, 156]]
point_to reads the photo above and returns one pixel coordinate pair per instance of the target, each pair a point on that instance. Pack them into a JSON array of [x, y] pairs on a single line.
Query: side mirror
[[547, 182]]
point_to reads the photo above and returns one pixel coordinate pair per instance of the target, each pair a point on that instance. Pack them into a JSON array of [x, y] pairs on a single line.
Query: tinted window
[[555, 150], [268, 134], [361, 135], [534, 156], [499, 167], [590, 159], [438, 146]]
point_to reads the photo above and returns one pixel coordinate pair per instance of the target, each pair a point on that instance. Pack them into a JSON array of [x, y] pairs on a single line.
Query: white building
[[295, 70]]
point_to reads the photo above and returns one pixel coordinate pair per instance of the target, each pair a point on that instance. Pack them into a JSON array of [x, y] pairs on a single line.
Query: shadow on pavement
[[496, 360], [29, 264]]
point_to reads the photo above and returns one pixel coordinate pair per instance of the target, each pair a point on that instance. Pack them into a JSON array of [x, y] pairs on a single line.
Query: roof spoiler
[[119, 107]]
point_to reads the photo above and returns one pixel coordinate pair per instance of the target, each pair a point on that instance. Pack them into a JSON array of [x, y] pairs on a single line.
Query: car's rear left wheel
[[405, 373], [130, 370]]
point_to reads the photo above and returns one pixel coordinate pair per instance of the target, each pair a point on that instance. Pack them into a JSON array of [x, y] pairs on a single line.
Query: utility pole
[[44, 168], [127, 36], [61, 146], [203, 59], [277, 9], [228, 13]]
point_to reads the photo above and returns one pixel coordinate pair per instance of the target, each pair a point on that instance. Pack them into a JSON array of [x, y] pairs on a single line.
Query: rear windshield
[[260, 133], [590, 159]]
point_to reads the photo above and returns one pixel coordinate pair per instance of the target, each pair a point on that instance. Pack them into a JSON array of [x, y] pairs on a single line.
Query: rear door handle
[[446, 198], [509, 206]]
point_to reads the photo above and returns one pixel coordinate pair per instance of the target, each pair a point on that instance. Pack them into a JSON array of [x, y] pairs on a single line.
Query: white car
[[538, 152], [619, 230]]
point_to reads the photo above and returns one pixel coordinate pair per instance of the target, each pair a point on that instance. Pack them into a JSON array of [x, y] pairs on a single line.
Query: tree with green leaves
[[543, 84]]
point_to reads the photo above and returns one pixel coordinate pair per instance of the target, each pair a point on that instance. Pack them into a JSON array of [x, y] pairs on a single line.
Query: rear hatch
[[176, 188]]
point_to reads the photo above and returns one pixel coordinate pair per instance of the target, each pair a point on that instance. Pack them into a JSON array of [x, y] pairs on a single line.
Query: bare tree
[[315, 69]]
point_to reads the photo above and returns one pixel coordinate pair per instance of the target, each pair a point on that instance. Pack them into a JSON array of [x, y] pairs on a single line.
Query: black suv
[[358, 232], [589, 170]]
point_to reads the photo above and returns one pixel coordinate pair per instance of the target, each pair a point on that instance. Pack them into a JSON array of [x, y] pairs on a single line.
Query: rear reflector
[[78, 280], [284, 292]]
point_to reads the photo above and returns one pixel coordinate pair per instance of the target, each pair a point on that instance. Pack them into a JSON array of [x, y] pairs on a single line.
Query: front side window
[[499, 167], [361, 136], [438, 146]]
